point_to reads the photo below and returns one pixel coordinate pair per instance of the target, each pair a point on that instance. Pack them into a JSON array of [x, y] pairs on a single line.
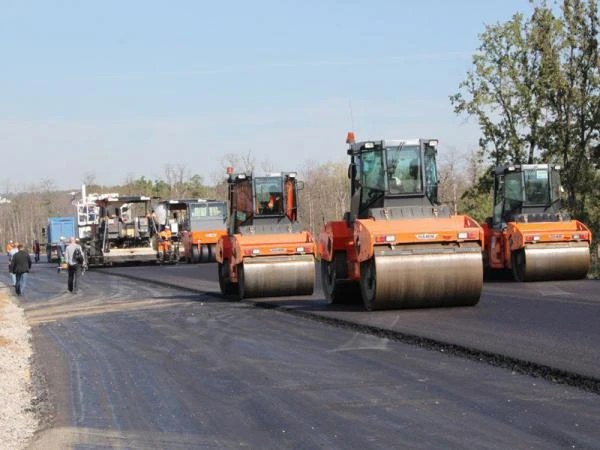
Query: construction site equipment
[[396, 247], [528, 233], [88, 214], [265, 252], [118, 229], [196, 224]]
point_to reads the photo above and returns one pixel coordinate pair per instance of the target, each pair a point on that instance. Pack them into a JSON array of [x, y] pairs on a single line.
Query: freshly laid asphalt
[[128, 363], [552, 324]]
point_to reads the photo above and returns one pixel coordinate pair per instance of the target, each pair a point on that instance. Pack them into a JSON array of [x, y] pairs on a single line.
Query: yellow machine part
[[272, 276], [422, 277], [552, 261]]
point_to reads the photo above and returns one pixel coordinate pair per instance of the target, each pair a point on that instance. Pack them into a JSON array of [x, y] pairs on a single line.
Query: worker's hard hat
[[62, 238], [10, 242], [168, 227]]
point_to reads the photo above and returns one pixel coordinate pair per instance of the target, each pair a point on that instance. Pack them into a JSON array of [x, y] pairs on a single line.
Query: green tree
[[502, 92], [572, 92], [534, 90]]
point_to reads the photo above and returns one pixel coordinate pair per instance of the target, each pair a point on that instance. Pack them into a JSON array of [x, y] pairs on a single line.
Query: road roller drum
[[277, 276], [422, 279], [568, 261]]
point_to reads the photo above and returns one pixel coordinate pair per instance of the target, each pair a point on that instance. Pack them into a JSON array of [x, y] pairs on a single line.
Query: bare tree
[[175, 176], [240, 162]]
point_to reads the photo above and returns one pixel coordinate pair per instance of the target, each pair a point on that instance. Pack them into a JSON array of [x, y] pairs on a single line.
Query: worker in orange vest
[[164, 241]]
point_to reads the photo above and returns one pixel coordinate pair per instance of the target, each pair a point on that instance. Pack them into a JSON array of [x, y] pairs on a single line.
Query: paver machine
[[265, 253], [122, 232], [528, 233], [397, 247]]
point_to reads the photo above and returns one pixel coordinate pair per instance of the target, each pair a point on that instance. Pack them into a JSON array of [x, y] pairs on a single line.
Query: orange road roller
[[528, 233], [397, 247], [265, 253]]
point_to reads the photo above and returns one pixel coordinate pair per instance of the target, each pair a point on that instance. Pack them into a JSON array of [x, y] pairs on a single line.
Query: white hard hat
[[168, 226], [62, 238]]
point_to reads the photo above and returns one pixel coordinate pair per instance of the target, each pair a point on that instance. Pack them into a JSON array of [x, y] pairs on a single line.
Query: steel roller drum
[[425, 279], [570, 261], [278, 276]]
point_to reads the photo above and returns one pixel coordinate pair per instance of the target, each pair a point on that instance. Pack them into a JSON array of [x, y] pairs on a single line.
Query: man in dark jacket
[[20, 265]]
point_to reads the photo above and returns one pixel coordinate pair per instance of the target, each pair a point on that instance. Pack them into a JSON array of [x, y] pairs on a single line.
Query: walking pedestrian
[[75, 259], [36, 250], [20, 265], [12, 252], [60, 252]]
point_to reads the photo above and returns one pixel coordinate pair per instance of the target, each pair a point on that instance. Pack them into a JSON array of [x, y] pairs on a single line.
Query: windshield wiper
[[374, 195]]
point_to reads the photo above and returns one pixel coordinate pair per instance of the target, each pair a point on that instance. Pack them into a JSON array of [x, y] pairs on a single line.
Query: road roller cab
[[528, 233], [397, 247], [265, 252]]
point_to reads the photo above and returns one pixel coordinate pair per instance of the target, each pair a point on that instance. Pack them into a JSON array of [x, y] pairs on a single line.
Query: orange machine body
[[361, 241], [239, 248], [501, 244]]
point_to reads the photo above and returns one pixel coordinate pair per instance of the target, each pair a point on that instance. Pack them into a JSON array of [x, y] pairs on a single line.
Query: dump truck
[[123, 232], [265, 253], [528, 233], [398, 247], [58, 228], [196, 224]]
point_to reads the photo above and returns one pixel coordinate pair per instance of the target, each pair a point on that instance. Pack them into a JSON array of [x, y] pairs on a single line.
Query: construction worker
[[152, 221], [274, 204], [9, 247], [164, 241]]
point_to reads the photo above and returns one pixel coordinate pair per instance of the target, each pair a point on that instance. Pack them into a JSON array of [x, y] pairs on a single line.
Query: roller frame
[[338, 289]]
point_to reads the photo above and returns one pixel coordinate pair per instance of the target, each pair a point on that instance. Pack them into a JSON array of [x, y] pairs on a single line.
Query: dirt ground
[[18, 418]]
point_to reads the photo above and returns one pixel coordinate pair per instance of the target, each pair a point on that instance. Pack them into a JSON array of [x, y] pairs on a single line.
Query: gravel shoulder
[[18, 399]]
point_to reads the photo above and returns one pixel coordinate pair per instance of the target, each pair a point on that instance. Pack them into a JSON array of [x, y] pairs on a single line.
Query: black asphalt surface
[[132, 364], [554, 324]]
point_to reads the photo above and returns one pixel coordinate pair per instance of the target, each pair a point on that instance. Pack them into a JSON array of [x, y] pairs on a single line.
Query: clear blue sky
[[119, 88]]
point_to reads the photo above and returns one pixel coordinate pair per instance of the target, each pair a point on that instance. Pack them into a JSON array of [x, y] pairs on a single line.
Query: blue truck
[[58, 227]]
